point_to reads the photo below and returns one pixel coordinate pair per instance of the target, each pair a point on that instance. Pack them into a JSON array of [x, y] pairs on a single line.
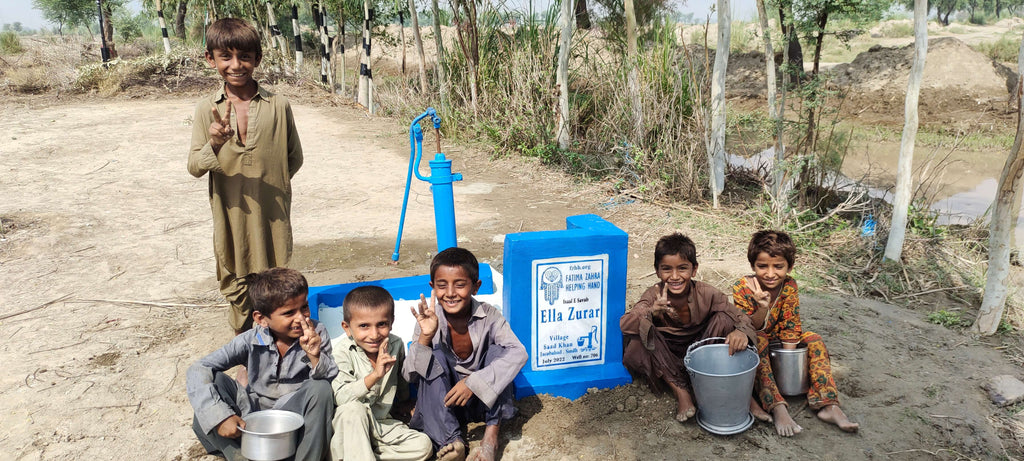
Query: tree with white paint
[[904, 166], [716, 140], [1001, 228], [565, 22], [418, 39]]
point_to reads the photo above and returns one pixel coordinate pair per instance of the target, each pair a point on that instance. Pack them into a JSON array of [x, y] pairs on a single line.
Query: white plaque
[[569, 306]]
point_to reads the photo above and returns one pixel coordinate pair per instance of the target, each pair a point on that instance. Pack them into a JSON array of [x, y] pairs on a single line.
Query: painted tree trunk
[[716, 142], [418, 39], [778, 172], [275, 30], [633, 78], [904, 166], [1001, 228], [163, 26], [340, 43], [565, 22], [298, 38], [365, 68]]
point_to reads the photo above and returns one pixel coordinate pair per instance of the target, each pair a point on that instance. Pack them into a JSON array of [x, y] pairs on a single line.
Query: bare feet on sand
[[686, 409], [455, 451], [833, 414], [758, 412], [488, 446], [784, 423]]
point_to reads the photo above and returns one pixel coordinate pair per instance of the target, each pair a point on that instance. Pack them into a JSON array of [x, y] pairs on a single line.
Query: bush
[[1003, 49], [10, 43], [898, 29]]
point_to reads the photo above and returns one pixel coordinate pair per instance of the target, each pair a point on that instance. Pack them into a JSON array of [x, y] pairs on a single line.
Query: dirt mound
[[956, 79]]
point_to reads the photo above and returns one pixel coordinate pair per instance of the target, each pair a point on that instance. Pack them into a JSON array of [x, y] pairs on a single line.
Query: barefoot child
[[672, 315], [463, 361], [770, 298], [369, 381], [289, 364], [250, 158]]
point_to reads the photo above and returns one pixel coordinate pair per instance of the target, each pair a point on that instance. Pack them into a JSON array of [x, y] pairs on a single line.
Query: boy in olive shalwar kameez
[[251, 159]]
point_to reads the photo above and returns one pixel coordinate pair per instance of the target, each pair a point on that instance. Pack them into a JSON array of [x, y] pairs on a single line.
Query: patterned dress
[[783, 323]]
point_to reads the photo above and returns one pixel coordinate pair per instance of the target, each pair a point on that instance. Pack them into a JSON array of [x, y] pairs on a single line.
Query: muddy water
[[959, 185]]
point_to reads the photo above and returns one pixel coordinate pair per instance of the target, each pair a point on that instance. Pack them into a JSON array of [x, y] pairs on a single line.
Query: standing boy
[[290, 367], [251, 158], [464, 359], [369, 381], [672, 315]]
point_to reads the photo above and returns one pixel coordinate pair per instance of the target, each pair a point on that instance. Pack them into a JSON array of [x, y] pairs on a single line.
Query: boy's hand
[[661, 304], [229, 427], [427, 319], [310, 341], [762, 297], [459, 394], [384, 362], [737, 341], [220, 129]]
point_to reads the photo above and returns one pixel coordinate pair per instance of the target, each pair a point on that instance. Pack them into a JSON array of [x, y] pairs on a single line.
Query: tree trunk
[[795, 63], [773, 110], [904, 168], [716, 142], [297, 31], [340, 43], [163, 26], [179, 19], [365, 72], [275, 31], [108, 30], [467, 35], [819, 39], [401, 33], [582, 15], [1001, 228], [439, 63], [565, 21], [633, 80], [418, 39]]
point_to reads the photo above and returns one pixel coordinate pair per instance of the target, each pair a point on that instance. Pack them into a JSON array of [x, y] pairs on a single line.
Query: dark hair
[[272, 288], [775, 243], [457, 257], [368, 297], [675, 244], [233, 33]]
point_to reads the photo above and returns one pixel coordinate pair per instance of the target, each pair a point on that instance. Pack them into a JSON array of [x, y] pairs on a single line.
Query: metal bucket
[[790, 369], [722, 385], [270, 435]]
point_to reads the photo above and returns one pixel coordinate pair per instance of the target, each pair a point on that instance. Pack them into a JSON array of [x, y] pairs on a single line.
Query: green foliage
[[923, 220], [66, 12], [129, 26], [10, 43], [1003, 49], [948, 319]]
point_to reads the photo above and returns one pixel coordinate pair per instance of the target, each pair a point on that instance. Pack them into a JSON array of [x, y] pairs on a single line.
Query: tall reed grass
[[517, 112]]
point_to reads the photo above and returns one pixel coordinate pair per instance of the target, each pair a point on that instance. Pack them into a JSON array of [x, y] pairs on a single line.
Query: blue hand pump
[[440, 179]]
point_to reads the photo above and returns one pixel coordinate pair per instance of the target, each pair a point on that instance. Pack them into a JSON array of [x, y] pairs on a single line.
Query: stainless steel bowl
[[270, 435]]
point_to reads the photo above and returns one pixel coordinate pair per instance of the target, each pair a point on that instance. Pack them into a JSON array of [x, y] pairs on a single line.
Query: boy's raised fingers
[[227, 115], [664, 290], [216, 115]]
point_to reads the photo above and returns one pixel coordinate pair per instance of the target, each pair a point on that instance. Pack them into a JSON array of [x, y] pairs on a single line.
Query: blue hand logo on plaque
[[551, 283]]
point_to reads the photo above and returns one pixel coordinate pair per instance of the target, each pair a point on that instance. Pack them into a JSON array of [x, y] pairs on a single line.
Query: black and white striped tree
[[163, 25]]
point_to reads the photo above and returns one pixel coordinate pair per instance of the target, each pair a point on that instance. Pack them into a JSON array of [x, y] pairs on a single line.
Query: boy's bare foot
[[758, 412], [833, 414], [784, 423], [455, 451], [686, 408], [485, 452]]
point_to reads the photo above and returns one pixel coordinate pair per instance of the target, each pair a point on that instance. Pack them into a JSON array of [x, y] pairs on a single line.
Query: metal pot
[[722, 384], [270, 435], [790, 369]]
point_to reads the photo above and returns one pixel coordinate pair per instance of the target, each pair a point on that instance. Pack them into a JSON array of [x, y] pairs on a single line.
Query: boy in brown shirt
[[251, 158], [672, 315]]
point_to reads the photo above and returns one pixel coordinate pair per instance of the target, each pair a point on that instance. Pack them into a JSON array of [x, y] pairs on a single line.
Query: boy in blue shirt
[[289, 363]]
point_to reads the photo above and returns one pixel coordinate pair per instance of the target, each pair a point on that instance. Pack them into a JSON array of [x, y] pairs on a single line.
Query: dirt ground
[[107, 295]]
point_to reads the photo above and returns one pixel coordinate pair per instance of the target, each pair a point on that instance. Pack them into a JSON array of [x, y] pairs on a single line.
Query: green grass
[[898, 30], [1003, 49], [948, 319], [927, 137], [10, 43]]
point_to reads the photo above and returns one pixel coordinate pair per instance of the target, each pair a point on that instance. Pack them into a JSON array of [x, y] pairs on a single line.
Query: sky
[[12, 11]]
